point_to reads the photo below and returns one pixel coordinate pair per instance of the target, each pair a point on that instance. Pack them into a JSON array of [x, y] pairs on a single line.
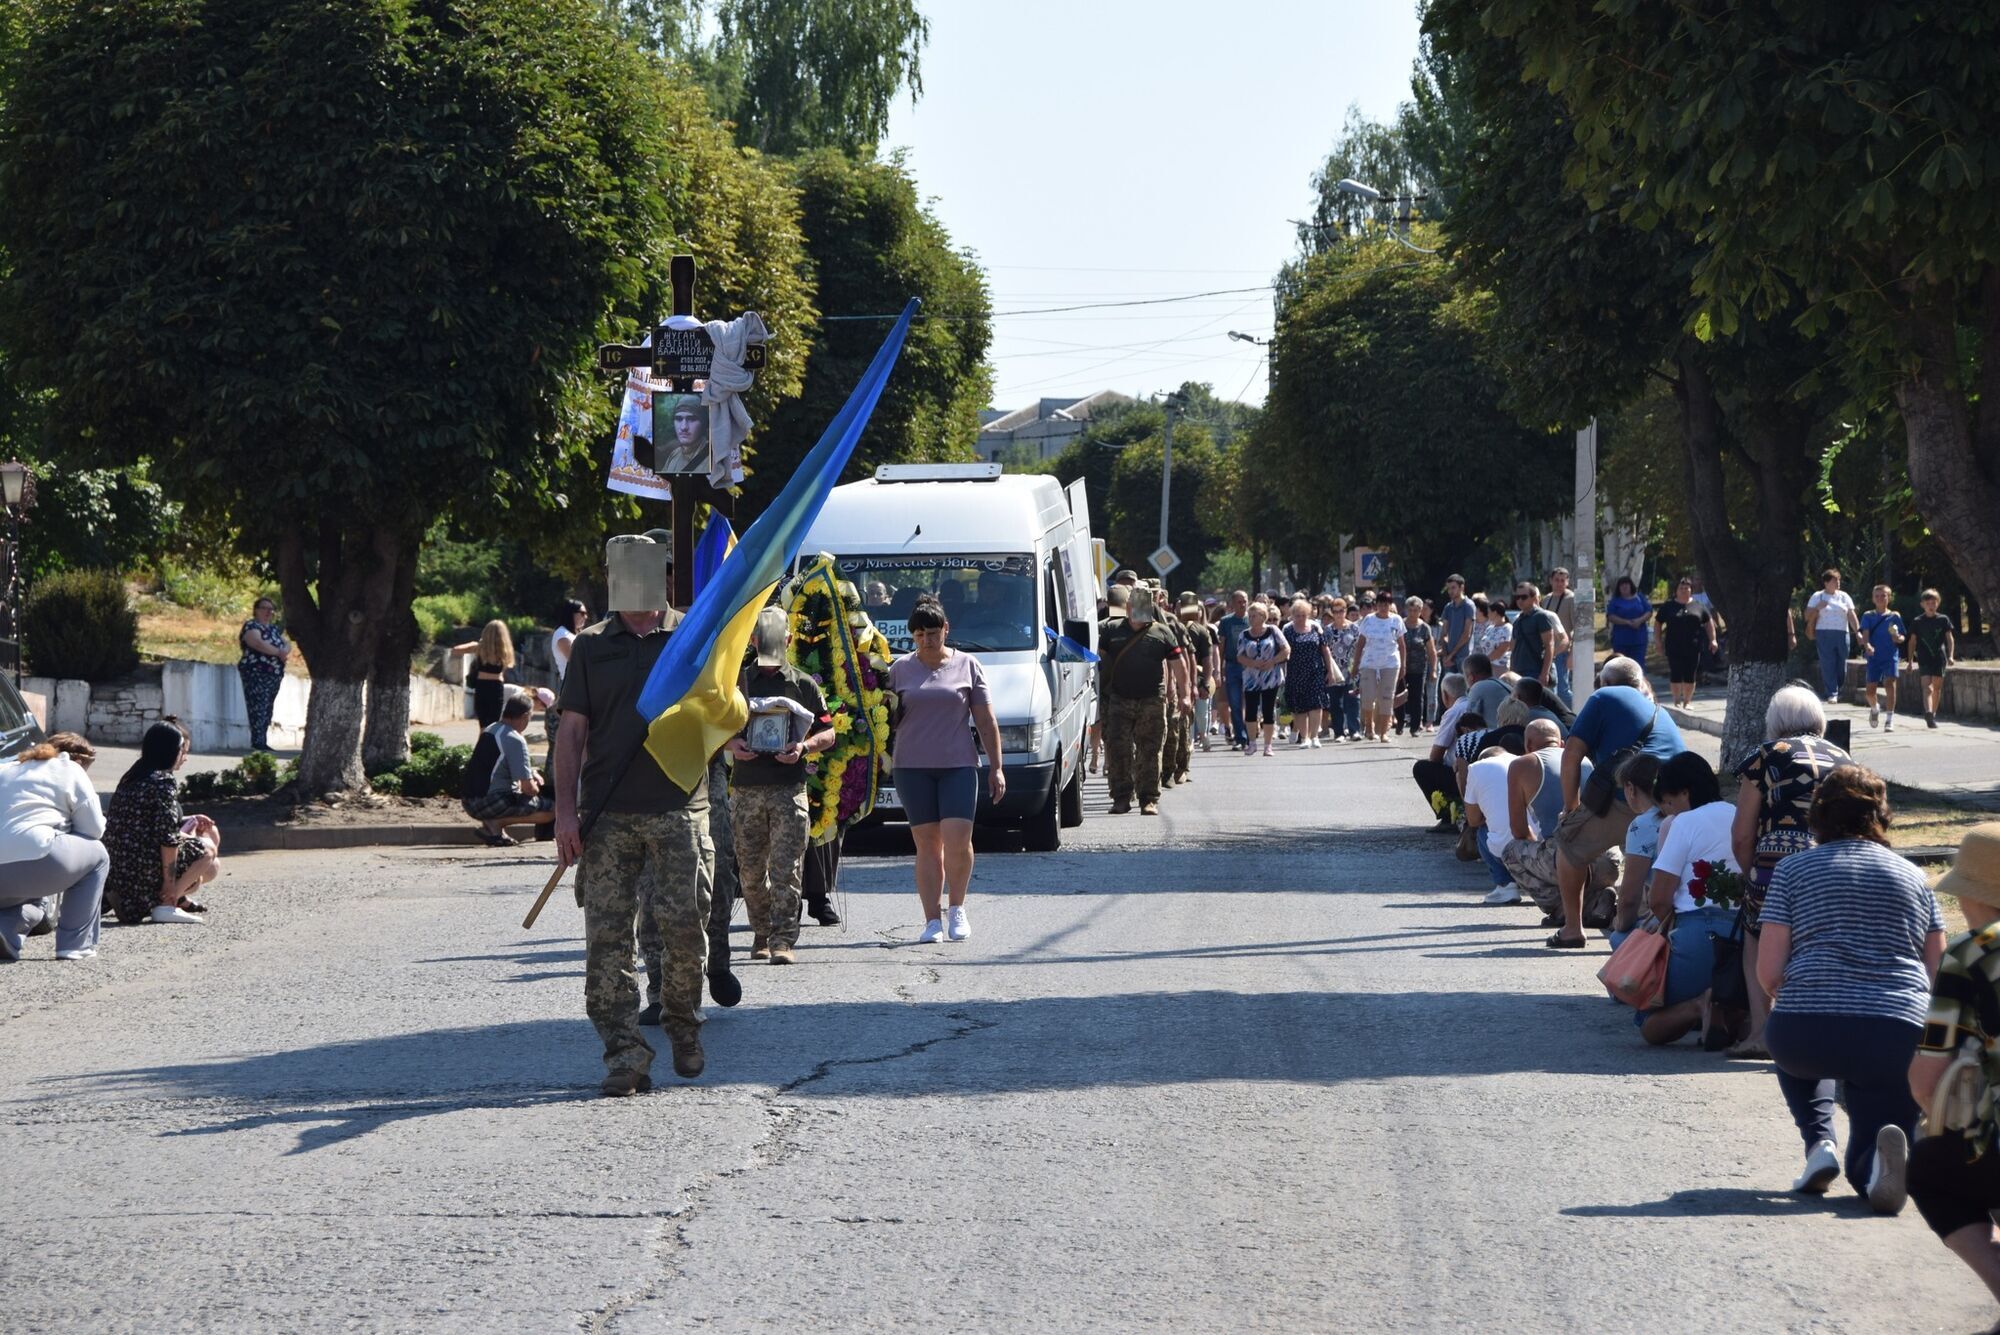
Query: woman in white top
[[50, 827], [1694, 837], [571, 617], [1832, 614]]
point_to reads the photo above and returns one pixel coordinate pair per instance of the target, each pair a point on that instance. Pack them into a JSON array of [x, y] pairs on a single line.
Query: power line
[[1058, 310]]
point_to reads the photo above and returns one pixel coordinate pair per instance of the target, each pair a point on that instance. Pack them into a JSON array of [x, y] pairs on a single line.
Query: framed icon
[[769, 731]]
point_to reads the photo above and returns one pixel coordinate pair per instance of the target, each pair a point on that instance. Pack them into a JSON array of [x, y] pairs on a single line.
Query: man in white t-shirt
[[1833, 619], [1486, 815], [1381, 667]]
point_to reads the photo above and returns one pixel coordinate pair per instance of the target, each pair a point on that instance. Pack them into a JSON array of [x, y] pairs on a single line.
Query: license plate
[[885, 796]]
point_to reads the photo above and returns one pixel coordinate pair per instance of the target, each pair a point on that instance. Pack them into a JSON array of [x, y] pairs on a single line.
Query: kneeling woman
[[1696, 828], [158, 859], [50, 824]]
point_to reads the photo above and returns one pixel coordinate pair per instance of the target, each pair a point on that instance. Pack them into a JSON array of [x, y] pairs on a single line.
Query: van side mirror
[[1078, 631]]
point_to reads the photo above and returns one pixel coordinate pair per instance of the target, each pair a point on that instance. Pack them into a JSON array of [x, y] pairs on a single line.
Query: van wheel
[[1042, 831], [1072, 798]]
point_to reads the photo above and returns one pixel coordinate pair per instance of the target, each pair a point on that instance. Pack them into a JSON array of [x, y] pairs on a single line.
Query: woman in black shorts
[[1686, 630]]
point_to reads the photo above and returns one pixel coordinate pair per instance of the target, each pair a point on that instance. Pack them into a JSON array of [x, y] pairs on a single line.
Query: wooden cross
[[678, 357]]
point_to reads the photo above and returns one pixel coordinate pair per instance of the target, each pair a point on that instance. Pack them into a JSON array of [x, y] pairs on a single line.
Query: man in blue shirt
[[1229, 630], [1883, 632], [1619, 716], [1455, 622]]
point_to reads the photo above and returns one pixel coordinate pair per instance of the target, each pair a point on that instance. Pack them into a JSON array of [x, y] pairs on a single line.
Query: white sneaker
[[1504, 894], [1890, 724], [1822, 1167], [87, 953], [1874, 716], [1888, 1180], [960, 927], [932, 931], [170, 913], [1314, 743]]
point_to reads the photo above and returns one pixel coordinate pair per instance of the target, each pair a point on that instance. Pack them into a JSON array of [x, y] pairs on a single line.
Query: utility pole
[[1583, 568], [1166, 471]]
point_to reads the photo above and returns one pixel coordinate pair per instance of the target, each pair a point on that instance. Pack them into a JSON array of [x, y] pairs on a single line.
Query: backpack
[[478, 776]]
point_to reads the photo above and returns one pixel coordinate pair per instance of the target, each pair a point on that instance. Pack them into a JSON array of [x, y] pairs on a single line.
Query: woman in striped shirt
[[1851, 942]]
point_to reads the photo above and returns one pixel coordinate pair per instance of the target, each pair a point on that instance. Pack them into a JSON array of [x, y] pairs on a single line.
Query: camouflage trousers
[[658, 864], [1180, 742], [770, 822], [1134, 733], [722, 891]]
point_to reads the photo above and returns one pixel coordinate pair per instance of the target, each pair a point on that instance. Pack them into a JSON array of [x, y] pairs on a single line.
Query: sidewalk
[[1957, 761], [112, 761]]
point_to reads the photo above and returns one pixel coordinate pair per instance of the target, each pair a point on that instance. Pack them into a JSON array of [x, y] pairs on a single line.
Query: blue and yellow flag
[[691, 700]]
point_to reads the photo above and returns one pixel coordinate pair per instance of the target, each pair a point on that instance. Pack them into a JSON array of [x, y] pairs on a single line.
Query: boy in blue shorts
[[1882, 631]]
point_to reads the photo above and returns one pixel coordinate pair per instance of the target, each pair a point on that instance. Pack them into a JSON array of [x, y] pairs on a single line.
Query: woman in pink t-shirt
[[942, 696]]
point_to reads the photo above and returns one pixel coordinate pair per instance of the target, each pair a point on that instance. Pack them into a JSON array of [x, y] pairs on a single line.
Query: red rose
[[1702, 868]]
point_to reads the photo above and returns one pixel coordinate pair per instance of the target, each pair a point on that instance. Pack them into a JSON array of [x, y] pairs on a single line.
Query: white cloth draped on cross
[[729, 423]]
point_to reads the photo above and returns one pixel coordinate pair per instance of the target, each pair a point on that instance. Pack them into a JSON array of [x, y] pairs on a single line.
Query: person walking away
[[1343, 700], [514, 794], [1420, 664], [1176, 751], [1934, 650], [1534, 808], [159, 858], [1457, 619], [1695, 834], [1630, 618], [767, 791], [1832, 615], [1227, 632], [943, 697], [1773, 800], [650, 845], [1561, 604], [50, 825], [1685, 630], [1618, 721], [261, 669], [1852, 940], [1883, 634], [1308, 672], [1381, 660], [495, 659], [1955, 1169], [1201, 638], [1263, 653]]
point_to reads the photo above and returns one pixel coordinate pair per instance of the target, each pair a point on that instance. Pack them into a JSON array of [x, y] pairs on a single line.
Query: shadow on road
[[1717, 1202]]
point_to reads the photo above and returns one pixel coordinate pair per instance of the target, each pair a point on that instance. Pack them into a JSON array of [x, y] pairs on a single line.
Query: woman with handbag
[[1779, 780], [1955, 1169], [1694, 837], [1852, 938]]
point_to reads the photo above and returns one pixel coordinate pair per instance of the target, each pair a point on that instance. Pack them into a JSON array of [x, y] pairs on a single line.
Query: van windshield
[[990, 600]]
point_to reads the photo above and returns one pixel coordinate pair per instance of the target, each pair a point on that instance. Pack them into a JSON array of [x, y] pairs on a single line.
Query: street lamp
[[1368, 192], [1250, 339], [15, 494]]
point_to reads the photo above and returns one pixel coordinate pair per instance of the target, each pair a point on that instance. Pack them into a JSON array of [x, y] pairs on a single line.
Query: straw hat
[[1975, 872]]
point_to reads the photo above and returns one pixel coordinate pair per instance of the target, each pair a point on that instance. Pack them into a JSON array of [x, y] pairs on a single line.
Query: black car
[[18, 729]]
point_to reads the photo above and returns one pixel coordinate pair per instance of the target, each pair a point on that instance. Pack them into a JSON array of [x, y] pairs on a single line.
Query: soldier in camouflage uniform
[[769, 790], [1134, 652], [649, 829], [722, 985], [1175, 751]]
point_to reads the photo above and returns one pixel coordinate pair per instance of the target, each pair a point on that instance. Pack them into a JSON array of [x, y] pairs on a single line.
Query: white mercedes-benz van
[[1009, 556]]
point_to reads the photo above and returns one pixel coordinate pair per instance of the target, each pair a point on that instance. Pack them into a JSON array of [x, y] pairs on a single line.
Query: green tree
[[873, 246], [1834, 166], [791, 74], [1379, 388], [334, 265]]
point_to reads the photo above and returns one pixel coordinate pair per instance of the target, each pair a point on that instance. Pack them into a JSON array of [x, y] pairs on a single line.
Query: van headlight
[[1021, 738]]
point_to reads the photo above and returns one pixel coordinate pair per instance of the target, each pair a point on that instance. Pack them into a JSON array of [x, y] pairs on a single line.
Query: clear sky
[[1119, 150]]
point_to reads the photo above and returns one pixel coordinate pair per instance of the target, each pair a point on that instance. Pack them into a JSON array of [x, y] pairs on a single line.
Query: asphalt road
[[1261, 1063]]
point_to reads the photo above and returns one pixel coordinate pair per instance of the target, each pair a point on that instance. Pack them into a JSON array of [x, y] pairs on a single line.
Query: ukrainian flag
[[691, 700]]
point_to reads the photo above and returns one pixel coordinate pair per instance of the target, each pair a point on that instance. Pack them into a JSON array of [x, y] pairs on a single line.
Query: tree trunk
[[1750, 580], [1954, 472], [386, 744], [337, 605]]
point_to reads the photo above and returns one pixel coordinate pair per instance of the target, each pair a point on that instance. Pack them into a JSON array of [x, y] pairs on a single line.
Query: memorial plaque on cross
[[680, 353]]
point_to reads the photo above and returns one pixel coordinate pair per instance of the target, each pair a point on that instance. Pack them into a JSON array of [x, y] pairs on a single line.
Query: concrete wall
[[208, 699], [1971, 692]]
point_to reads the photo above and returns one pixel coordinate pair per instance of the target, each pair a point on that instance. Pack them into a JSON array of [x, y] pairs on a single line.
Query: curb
[[1694, 722], [300, 838]]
